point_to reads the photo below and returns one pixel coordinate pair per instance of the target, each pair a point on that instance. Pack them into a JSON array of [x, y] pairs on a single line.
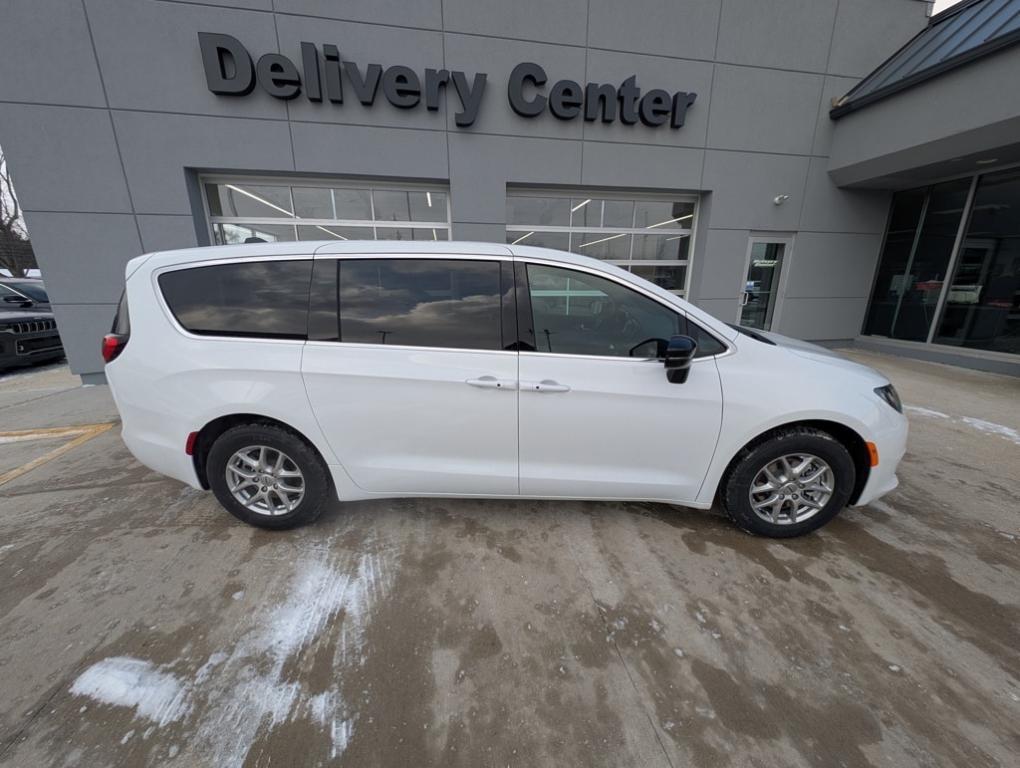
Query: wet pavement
[[142, 625]]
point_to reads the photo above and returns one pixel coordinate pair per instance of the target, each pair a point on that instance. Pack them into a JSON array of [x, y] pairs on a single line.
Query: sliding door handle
[[546, 385], [491, 382]]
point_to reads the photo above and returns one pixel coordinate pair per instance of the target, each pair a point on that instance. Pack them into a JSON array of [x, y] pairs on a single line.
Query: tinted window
[[421, 302], [34, 291], [580, 314], [708, 344], [255, 298]]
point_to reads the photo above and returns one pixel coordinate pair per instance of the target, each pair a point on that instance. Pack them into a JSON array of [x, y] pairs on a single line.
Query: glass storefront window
[[242, 212], [922, 230], [650, 236], [982, 306]]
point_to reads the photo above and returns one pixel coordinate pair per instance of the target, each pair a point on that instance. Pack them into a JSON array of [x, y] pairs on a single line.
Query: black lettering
[[217, 52], [313, 80], [629, 94], [401, 87], [334, 86], [519, 77], [366, 88], [654, 107], [470, 97], [681, 103], [278, 76], [565, 100], [434, 80], [599, 98]]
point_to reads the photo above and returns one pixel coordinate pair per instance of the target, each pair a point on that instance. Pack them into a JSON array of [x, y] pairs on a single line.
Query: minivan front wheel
[[790, 484], [267, 476]]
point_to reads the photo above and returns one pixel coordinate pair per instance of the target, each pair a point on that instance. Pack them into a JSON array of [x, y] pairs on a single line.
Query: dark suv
[[28, 334]]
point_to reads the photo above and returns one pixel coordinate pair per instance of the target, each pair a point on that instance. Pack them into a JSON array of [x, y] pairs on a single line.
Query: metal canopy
[[961, 34]]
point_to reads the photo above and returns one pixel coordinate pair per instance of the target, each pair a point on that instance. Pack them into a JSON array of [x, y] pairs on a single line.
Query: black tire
[[737, 483], [317, 483]]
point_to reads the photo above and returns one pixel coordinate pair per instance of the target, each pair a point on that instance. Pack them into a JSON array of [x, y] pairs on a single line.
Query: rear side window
[[420, 302], [267, 299], [122, 321]]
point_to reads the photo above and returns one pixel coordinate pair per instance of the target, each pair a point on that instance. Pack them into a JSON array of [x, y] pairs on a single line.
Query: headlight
[[888, 393]]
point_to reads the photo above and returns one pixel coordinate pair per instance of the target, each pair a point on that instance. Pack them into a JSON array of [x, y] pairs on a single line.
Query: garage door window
[[240, 211], [649, 236]]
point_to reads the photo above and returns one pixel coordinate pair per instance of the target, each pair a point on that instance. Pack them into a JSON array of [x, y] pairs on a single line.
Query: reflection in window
[[620, 231], [580, 314], [242, 212], [420, 302], [259, 298], [982, 307]]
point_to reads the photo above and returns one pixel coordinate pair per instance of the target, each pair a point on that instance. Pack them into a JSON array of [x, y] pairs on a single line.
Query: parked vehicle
[[30, 288], [280, 374], [27, 337]]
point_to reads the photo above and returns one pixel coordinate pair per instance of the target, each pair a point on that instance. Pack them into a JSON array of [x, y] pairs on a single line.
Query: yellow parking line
[[84, 433]]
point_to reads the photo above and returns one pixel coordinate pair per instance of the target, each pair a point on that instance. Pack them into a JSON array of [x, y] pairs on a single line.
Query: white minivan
[[279, 374]]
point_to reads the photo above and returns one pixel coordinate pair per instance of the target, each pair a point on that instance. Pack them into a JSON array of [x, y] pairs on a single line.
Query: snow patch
[[925, 412], [126, 682], [989, 427]]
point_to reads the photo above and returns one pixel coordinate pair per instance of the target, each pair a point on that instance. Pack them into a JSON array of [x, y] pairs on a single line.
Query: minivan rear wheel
[[267, 476], [790, 484]]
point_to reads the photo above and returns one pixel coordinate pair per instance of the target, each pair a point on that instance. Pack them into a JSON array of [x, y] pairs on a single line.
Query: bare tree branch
[[15, 250]]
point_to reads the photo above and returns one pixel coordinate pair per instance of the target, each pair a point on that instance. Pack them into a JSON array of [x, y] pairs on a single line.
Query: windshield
[[5, 292], [34, 291]]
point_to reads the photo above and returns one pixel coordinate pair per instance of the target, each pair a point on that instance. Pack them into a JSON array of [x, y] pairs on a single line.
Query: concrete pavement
[[141, 625]]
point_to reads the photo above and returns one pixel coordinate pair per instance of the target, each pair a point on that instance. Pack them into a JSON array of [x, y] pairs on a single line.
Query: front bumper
[[891, 440]]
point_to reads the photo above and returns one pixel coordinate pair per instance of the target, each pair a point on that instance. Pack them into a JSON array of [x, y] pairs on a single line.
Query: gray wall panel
[[67, 73], [668, 74], [560, 22], [827, 208], [744, 184], [826, 265], [723, 309], [655, 26], [764, 110], [359, 150], [497, 58], [834, 88], [868, 32], [363, 44], [637, 165], [156, 149], [481, 166], [82, 327], [167, 233], [87, 253], [724, 259], [420, 14], [486, 233], [63, 158], [150, 56], [789, 34], [821, 318]]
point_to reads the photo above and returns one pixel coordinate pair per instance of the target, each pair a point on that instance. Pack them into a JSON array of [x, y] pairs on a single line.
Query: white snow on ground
[[989, 427], [320, 592], [242, 689], [127, 682], [925, 411]]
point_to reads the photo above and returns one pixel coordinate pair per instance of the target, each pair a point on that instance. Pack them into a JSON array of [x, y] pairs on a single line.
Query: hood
[[23, 315], [819, 354]]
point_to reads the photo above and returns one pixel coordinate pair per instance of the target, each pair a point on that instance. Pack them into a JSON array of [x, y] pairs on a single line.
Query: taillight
[[113, 345]]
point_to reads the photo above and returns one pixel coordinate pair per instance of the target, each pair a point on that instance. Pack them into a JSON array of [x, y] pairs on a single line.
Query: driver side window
[[576, 313]]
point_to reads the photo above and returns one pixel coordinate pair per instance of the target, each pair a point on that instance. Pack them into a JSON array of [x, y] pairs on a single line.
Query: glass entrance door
[[760, 296]]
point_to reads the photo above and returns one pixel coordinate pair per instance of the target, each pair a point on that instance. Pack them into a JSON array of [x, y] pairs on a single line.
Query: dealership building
[[828, 169]]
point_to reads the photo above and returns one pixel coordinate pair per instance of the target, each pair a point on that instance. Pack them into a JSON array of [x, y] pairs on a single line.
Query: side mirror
[[679, 352]]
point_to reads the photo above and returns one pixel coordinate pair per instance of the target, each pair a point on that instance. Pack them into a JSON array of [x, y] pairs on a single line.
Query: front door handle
[[546, 385], [491, 382], [744, 298]]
